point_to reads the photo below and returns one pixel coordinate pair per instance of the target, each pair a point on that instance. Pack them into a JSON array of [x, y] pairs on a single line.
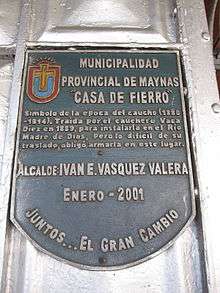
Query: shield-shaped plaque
[[102, 175], [43, 81]]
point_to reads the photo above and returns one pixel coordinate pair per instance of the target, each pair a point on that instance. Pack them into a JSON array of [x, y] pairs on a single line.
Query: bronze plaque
[[102, 173]]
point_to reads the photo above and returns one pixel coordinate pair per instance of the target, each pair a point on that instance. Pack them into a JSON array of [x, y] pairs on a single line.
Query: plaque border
[[189, 151]]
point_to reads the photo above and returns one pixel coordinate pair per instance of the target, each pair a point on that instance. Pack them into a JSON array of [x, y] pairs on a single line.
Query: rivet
[[216, 107], [206, 36]]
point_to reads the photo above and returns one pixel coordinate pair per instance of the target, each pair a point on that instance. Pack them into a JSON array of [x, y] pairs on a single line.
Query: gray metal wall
[[192, 264]]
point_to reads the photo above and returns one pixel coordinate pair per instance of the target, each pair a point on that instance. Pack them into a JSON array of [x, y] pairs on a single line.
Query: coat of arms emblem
[[43, 81]]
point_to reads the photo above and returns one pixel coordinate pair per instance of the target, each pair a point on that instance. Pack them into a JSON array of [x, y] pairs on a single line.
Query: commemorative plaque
[[102, 175]]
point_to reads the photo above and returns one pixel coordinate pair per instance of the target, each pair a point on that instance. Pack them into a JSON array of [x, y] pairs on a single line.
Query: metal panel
[[9, 21], [192, 264], [204, 101], [117, 21], [6, 71]]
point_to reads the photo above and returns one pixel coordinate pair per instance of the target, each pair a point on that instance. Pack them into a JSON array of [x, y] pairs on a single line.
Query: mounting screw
[[216, 108], [206, 36]]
